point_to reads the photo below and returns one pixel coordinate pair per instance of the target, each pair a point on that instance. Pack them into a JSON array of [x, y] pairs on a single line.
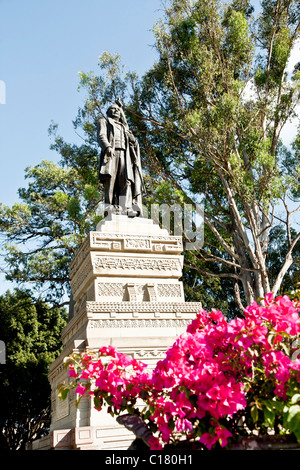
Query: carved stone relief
[[111, 289], [169, 290], [143, 354], [137, 244], [138, 292], [139, 323], [143, 307], [115, 263]]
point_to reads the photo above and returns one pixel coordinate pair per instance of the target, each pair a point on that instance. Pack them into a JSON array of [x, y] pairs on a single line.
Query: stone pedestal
[[127, 293]]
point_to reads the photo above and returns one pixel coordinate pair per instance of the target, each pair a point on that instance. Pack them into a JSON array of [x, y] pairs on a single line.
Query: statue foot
[[118, 210], [109, 209], [130, 213]]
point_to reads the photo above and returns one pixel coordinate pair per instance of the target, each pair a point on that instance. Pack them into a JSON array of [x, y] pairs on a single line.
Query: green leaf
[[144, 394], [78, 400], [98, 403], [63, 392], [295, 398], [254, 413], [293, 418], [269, 417]]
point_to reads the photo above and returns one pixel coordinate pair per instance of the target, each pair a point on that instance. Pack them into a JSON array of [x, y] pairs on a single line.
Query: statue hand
[[119, 102], [131, 137], [108, 154]]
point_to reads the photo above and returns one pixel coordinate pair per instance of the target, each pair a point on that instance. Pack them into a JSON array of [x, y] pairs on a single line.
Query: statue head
[[114, 112]]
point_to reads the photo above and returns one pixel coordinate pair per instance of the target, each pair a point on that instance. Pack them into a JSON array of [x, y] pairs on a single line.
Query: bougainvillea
[[218, 381]]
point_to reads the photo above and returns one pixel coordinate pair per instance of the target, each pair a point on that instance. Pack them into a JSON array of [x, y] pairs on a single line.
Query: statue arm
[[102, 136], [131, 138]]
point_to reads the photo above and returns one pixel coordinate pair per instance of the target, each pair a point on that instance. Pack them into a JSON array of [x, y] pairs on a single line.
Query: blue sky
[[43, 46]]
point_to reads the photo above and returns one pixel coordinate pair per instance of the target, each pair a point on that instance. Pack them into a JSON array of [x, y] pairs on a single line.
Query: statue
[[120, 166]]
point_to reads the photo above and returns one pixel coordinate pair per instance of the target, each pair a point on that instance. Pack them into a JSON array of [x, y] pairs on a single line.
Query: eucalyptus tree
[[212, 109]]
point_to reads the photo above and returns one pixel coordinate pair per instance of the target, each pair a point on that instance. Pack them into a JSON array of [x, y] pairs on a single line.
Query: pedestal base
[[125, 281]]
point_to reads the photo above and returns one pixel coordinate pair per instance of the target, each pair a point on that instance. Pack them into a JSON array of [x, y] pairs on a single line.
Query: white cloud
[[294, 57], [289, 130], [2, 92]]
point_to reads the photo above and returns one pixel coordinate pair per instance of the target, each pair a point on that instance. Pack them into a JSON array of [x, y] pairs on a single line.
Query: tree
[[31, 332], [208, 116], [212, 137], [55, 212]]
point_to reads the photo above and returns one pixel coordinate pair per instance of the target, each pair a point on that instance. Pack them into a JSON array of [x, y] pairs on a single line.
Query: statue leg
[[107, 192], [108, 185], [123, 187], [107, 197], [126, 198], [137, 205]]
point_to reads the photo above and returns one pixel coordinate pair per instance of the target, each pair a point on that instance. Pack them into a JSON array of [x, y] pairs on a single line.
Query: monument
[[125, 281], [120, 169]]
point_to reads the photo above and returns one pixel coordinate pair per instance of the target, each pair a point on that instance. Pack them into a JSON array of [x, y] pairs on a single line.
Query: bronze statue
[[120, 165]]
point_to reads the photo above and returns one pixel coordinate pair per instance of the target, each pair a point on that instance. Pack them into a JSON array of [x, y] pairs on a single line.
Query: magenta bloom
[[81, 389], [209, 376]]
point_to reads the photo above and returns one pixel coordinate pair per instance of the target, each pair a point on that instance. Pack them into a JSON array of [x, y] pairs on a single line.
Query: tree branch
[[285, 267]]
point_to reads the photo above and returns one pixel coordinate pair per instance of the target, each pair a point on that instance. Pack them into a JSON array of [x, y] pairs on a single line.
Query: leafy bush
[[219, 380]]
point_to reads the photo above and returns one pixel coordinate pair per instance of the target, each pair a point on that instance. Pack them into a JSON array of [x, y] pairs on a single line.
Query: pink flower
[[108, 351], [222, 435], [199, 322], [164, 429], [269, 298], [183, 404], [204, 374], [183, 425], [72, 373], [259, 335], [85, 375], [81, 389], [208, 440], [154, 443]]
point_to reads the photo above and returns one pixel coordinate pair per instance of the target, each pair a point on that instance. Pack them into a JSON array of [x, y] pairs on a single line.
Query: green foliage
[[31, 332], [57, 210], [208, 116], [198, 92]]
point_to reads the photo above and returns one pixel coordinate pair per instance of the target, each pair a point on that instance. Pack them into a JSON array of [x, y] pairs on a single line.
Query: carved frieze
[[133, 264], [169, 290], [143, 354], [139, 292], [139, 323], [111, 289], [132, 293], [79, 278], [121, 242], [143, 307], [120, 254], [137, 244]]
